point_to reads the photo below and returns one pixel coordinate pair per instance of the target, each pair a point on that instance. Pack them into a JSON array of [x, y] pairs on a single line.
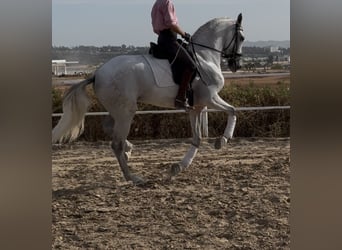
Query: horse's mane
[[211, 24]]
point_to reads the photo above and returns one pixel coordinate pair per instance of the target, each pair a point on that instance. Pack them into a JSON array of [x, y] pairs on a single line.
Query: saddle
[[156, 52], [161, 71]]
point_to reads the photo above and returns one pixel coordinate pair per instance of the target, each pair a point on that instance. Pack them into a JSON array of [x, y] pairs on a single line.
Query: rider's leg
[[181, 100], [186, 68]]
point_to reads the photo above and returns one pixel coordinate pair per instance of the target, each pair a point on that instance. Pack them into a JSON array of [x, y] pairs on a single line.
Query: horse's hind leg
[[108, 125], [120, 145]]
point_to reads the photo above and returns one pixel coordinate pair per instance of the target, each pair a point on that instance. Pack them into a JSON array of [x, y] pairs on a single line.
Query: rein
[[207, 47], [222, 52]]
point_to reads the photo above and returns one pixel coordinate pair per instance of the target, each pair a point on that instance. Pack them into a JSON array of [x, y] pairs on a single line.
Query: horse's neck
[[211, 35], [208, 54]]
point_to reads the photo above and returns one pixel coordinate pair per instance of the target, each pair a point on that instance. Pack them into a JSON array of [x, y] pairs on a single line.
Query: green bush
[[277, 66], [268, 123], [56, 100], [273, 123]]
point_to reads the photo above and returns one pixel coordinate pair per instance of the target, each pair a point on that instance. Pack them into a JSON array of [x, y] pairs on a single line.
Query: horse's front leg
[[219, 104], [196, 122]]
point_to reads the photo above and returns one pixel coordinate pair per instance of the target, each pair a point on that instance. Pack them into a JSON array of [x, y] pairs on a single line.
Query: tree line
[[93, 55]]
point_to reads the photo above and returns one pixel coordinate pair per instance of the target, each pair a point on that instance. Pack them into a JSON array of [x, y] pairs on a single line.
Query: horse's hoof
[[137, 181], [176, 168], [220, 142]]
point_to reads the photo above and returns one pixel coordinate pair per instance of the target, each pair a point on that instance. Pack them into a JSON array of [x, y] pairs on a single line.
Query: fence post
[[204, 117]]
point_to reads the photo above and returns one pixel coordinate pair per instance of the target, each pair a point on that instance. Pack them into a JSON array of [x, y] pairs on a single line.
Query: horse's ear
[[239, 19]]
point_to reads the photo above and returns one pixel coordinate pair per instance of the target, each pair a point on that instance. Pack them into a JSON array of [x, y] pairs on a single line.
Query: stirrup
[[183, 104]]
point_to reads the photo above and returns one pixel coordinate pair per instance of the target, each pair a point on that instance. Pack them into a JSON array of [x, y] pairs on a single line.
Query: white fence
[[204, 113]]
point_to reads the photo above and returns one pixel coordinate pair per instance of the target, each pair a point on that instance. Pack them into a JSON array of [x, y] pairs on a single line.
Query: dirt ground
[[234, 198]]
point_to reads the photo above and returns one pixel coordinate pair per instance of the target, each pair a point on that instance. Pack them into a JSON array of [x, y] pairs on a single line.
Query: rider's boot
[[181, 100]]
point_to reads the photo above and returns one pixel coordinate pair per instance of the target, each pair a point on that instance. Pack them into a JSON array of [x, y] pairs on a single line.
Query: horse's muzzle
[[234, 64]]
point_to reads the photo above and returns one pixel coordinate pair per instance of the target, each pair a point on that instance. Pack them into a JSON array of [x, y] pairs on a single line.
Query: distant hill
[[282, 44]]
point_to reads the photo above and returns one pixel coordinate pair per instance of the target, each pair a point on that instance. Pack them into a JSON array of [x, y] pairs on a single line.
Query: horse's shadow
[[71, 192], [87, 189]]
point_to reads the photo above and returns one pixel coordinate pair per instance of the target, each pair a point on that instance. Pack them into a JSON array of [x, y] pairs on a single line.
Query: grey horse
[[125, 80]]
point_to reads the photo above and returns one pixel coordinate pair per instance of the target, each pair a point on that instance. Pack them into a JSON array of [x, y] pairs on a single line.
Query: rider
[[165, 25]]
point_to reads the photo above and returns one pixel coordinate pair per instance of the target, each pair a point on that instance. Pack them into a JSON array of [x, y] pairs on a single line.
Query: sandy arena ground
[[234, 198]]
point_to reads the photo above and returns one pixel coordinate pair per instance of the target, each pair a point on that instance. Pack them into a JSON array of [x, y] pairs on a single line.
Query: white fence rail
[[204, 113]]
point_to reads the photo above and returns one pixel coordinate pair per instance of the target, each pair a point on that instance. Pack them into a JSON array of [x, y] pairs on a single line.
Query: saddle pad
[[161, 71]]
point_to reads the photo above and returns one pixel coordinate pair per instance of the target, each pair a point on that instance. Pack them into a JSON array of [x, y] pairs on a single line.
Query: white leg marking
[[188, 158], [228, 132]]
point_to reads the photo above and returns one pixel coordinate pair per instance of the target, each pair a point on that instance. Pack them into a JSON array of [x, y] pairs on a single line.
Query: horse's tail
[[75, 105]]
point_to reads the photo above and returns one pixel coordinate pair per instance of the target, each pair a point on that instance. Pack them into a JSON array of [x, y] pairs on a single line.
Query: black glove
[[186, 37]]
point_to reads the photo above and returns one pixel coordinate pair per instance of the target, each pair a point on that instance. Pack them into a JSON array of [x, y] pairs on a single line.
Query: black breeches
[[181, 62]]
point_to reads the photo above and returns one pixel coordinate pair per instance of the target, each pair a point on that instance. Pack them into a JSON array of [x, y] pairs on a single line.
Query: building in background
[[62, 67]]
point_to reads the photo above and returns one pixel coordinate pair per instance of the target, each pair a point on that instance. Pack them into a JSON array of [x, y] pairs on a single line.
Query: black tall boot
[[181, 100]]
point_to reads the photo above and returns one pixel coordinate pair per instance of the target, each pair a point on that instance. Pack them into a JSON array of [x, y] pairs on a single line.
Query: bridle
[[231, 57]]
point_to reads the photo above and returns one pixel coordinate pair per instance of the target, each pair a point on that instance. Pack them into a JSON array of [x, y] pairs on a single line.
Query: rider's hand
[[186, 37]]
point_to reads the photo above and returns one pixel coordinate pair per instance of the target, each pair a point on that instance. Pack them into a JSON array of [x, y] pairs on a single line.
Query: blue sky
[[117, 22]]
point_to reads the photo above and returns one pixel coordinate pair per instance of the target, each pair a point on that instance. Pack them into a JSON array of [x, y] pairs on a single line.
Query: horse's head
[[232, 51], [223, 36]]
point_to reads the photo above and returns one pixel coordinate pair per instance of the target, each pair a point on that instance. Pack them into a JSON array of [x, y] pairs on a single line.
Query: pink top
[[163, 15]]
